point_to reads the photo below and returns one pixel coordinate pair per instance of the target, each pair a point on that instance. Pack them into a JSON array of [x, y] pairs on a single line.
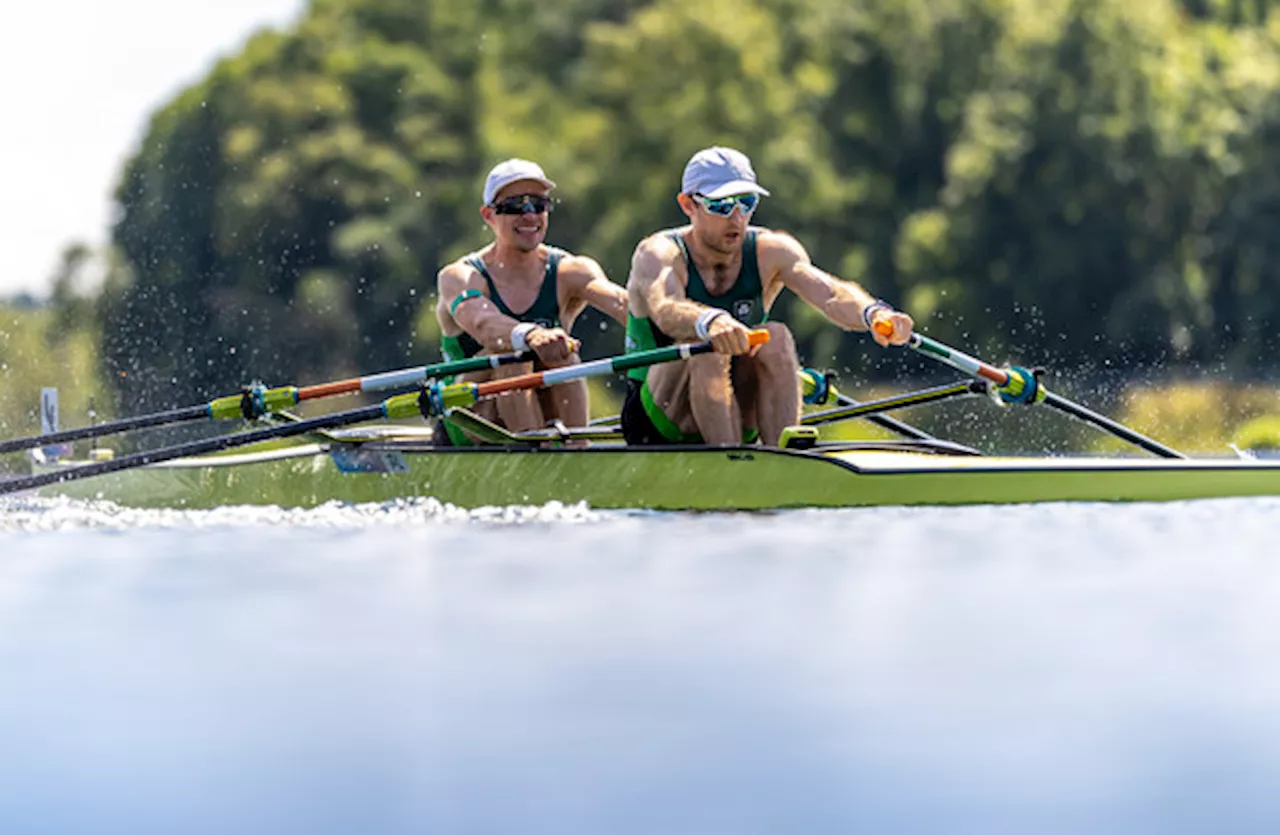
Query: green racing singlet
[[544, 312], [743, 301]]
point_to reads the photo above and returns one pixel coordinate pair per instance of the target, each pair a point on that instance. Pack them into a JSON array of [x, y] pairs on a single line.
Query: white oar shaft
[[409, 377], [958, 359], [595, 368], [404, 378]]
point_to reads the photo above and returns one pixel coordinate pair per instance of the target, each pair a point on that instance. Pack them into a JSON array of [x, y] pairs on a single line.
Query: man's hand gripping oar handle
[[432, 400], [435, 399]]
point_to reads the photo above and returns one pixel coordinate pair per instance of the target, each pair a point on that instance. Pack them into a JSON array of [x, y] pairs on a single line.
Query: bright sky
[[79, 80]]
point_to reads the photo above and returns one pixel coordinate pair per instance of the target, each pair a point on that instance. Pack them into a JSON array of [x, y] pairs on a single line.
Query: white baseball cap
[[512, 171], [720, 172]]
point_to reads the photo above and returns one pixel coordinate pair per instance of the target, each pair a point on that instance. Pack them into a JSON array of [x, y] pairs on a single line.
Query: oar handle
[[950, 356], [465, 394]]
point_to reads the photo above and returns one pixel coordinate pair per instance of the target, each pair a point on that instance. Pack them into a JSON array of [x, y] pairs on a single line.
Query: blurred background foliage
[[1080, 184]]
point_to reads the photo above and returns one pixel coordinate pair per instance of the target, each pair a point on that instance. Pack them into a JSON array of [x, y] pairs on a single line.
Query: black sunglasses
[[518, 204]]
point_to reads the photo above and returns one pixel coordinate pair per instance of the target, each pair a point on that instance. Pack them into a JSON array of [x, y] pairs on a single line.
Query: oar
[[257, 401], [889, 404], [818, 390], [465, 394], [427, 402], [1018, 385]]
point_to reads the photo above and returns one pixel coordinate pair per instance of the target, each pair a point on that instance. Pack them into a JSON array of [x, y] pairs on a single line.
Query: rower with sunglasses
[[518, 293], [715, 279]]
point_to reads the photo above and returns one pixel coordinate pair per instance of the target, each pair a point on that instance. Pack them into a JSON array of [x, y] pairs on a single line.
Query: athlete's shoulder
[[773, 237], [460, 271], [660, 244], [776, 242], [578, 268]]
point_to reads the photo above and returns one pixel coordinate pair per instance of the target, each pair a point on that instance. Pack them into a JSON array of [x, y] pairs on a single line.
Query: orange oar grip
[[329, 389], [758, 336], [883, 327], [524, 381]]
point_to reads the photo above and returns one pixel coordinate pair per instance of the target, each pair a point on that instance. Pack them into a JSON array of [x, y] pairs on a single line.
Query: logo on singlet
[[742, 309]]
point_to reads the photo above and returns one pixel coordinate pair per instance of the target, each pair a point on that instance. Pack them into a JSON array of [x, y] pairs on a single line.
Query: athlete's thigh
[[669, 386], [558, 401]]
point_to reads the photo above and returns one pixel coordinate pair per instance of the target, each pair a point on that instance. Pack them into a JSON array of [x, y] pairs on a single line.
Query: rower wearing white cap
[[715, 279], [519, 293]]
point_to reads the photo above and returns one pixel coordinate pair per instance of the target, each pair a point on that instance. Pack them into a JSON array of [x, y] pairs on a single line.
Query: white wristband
[[870, 310], [705, 318], [520, 335]]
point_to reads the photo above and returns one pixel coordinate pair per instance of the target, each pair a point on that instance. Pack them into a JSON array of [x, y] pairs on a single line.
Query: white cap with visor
[[720, 172], [513, 171]]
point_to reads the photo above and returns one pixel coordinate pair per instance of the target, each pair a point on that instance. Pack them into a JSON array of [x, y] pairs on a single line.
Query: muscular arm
[[588, 285], [842, 302], [477, 316], [657, 290]]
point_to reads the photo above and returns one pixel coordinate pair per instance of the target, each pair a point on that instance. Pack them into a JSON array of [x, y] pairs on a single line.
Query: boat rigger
[[329, 460]]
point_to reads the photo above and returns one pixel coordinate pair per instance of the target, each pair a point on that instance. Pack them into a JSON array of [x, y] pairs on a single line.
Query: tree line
[[1074, 183]]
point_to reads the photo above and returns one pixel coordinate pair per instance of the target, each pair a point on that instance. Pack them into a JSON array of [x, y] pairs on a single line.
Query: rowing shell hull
[[692, 478]]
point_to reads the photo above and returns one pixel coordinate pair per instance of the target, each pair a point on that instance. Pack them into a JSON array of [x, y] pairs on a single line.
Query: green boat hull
[[693, 478]]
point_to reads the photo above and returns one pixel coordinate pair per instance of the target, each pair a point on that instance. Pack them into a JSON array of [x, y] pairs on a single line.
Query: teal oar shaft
[[654, 356], [957, 359]]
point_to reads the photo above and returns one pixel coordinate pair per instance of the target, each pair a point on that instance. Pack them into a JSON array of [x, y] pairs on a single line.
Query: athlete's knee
[[709, 366], [779, 353], [780, 339]]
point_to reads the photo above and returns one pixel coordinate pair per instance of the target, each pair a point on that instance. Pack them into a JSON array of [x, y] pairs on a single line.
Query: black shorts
[[637, 428]]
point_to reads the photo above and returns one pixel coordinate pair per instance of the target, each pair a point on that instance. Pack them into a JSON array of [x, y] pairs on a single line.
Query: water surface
[[416, 668]]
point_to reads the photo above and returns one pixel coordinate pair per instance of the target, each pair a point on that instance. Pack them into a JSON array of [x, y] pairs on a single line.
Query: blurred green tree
[[1068, 181]]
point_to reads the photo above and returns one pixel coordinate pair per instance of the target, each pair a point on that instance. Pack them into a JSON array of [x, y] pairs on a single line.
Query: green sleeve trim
[[451, 349], [640, 337]]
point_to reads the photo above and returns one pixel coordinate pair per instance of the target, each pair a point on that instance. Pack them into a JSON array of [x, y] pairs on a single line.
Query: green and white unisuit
[[743, 301], [544, 312]]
